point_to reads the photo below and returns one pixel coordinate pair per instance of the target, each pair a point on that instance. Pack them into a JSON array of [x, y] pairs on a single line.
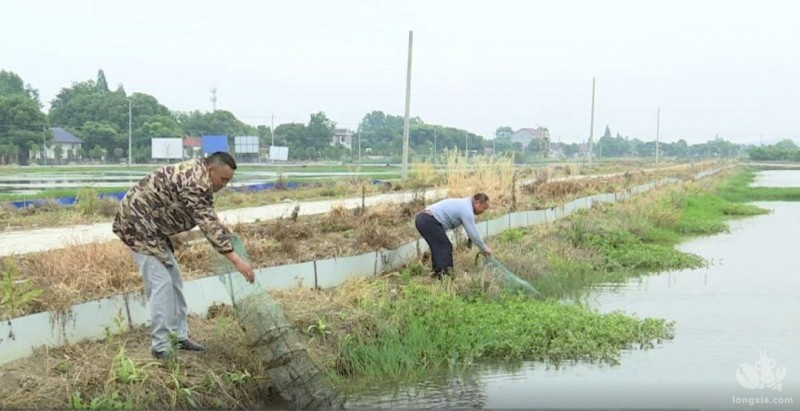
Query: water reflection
[[777, 178], [36, 183], [440, 391]]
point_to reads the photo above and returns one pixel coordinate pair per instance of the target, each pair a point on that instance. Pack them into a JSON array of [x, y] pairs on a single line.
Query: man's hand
[[242, 266], [247, 271], [487, 252]]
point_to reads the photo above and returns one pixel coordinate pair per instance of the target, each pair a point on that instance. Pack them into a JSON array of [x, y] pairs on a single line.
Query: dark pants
[[441, 248]]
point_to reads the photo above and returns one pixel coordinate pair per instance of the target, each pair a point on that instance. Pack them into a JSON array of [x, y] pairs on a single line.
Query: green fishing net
[[292, 374]]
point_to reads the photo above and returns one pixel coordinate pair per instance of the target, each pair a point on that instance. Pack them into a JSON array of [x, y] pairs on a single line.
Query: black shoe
[[160, 355], [190, 345], [439, 275]]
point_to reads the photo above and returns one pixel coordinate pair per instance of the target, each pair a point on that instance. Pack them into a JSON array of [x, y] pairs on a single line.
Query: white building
[[526, 135], [66, 140], [344, 137]]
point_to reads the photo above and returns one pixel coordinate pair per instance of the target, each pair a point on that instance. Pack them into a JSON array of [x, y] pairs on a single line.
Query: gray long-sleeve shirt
[[454, 212]]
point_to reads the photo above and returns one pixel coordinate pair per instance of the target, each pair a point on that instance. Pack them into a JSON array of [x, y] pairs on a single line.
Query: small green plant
[[108, 401], [512, 235], [237, 378], [224, 326], [17, 293], [121, 328], [63, 367], [413, 269], [181, 396], [321, 327], [125, 369], [88, 201]]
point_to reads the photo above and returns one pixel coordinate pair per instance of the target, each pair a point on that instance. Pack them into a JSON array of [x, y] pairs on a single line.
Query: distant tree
[[12, 84], [102, 84], [503, 132], [58, 153], [35, 150], [21, 123], [320, 131], [264, 135], [786, 144], [292, 135], [97, 152]]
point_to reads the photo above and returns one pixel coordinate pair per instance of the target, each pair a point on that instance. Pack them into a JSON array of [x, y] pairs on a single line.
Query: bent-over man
[[168, 201], [447, 214]]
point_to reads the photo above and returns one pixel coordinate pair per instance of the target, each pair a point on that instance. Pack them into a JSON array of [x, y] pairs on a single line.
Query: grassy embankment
[[409, 327]]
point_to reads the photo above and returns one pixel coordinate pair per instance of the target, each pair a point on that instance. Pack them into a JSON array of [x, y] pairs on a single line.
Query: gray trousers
[[168, 310]]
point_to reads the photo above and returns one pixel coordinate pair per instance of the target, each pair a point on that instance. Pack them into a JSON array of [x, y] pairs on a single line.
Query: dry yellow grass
[[491, 175], [223, 377], [79, 273], [423, 175]]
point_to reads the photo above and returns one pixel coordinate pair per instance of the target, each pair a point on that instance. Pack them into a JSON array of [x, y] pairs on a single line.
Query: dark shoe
[[160, 355], [438, 275], [190, 345]]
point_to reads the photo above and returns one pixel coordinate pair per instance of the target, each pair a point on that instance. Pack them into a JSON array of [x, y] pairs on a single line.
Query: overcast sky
[[730, 68]]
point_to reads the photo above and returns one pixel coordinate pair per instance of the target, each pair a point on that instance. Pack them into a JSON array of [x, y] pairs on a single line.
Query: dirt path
[[28, 241]]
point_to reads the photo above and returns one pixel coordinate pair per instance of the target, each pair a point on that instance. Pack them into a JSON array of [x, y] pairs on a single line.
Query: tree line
[[99, 115]]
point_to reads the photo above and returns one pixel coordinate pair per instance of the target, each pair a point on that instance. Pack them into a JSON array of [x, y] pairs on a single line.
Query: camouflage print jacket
[[169, 201]]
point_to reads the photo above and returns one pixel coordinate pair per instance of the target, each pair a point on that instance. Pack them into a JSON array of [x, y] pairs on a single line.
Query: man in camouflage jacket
[[171, 200]]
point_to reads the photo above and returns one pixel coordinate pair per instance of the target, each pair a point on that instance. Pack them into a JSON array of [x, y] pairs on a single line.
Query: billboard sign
[[280, 153], [212, 144], [246, 145], [166, 148]]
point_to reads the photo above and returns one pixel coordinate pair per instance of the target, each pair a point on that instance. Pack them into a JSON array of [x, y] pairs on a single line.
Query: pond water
[[736, 339], [34, 183], [777, 178]]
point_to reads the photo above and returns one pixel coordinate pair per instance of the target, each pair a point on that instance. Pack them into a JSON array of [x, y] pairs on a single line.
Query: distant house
[[526, 135], [70, 145], [344, 137], [192, 147]]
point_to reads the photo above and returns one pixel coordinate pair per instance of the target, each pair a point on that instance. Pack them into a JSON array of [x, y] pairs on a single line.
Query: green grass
[[707, 213], [738, 189], [617, 241], [426, 330]]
